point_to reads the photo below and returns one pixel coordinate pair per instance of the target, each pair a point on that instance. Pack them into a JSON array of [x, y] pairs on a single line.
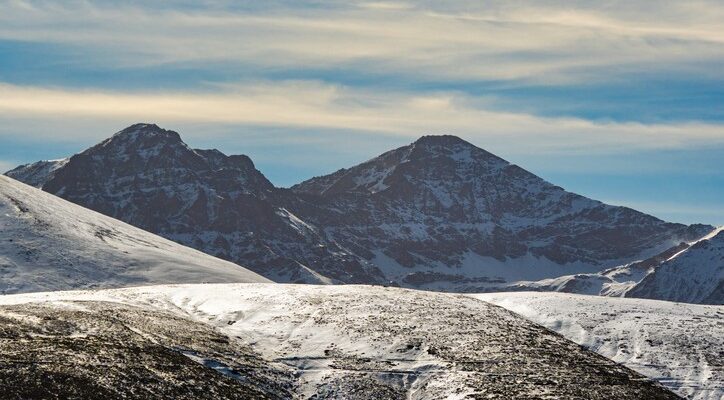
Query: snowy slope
[[47, 243], [694, 275], [353, 342], [680, 345], [690, 272], [106, 350], [616, 281]]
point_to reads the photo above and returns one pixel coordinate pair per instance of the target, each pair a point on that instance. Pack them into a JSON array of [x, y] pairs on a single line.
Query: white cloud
[[304, 104], [545, 43]]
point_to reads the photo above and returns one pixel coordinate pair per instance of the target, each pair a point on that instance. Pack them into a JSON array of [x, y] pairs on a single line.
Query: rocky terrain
[[47, 243], [679, 345], [293, 341], [83, 350], [438, 214], [442, 213]]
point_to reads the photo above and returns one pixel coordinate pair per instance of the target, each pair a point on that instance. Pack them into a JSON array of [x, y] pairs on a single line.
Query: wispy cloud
[[543, 43], [308, 104]]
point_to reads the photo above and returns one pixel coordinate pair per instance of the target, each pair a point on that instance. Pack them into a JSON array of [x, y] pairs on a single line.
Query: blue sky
[[622, 101]]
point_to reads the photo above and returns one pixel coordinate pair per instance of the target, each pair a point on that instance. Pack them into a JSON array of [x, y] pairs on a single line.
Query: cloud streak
[[309, 104], [544, 44]]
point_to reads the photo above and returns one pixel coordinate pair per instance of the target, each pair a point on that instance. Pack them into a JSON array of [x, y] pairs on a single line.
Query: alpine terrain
[[146, 176], [438, 214], [694, 275], [690, 272]]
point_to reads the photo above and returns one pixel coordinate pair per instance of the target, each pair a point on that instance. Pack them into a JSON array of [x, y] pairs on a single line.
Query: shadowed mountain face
[[443, 202], [146, 176], [437, 214]]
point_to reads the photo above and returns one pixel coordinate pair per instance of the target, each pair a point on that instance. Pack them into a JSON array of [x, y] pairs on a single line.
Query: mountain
[[689, 272], [677, 344], [293, 342], [148, 177], [616, 281], [47, 243], [437, 214], [694, 275], [444, 214]]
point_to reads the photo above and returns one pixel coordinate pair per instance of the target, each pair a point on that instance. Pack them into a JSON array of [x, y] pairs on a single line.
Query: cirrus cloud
[[310, 104], [544, 43]]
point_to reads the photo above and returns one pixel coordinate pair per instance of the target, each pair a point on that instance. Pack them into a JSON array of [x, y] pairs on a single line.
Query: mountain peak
[[441, 140], [145, 130], [429, 158], [142, 140], [452, 147]]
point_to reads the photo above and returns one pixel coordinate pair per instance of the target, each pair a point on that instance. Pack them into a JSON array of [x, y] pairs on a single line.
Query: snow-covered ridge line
[[708, 236], [695, 275]]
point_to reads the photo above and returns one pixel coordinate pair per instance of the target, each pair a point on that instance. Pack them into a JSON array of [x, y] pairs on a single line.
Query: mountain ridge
[[439, 214]]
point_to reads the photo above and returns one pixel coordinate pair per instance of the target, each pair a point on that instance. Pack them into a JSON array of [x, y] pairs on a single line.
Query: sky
[[622, 101]]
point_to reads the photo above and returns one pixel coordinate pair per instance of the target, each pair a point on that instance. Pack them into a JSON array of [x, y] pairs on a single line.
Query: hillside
[[693, 275], [301, 342], [679, 345], [47, 243]]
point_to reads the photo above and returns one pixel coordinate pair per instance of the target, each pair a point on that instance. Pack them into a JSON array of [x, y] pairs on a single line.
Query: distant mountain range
[[437, 214]]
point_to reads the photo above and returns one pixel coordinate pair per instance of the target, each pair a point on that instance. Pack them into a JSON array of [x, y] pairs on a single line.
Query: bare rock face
[[438, 214]]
